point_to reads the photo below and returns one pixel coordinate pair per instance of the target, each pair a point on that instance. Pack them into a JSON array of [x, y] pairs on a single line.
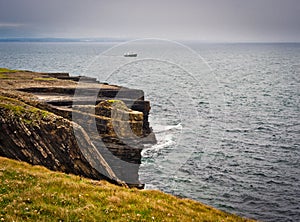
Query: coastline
[[24, 116]]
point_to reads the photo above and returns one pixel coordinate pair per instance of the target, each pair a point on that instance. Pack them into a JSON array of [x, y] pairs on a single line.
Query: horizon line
[[120, 39]]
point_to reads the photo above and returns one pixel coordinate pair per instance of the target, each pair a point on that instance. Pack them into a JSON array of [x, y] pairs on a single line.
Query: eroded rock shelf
[[74, 124]]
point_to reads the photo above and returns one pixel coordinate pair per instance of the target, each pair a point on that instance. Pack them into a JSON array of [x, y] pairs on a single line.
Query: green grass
[[3, 70], [33, 193], [3, 76], [28, 114], [119, 104]]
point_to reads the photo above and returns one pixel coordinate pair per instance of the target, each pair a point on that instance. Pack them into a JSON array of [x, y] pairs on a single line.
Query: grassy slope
[[33, 193], [6, 70]]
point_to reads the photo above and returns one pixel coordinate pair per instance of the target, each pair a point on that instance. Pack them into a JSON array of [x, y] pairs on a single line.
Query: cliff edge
[[74, 124]]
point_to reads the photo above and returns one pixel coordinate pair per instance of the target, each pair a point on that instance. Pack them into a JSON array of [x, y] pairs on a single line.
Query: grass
[[3, 70], [33, 193], [119, 104], [28, 114], [3, 76]]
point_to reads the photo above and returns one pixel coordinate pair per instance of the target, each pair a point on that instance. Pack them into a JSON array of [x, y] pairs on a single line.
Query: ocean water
[[226, 116]]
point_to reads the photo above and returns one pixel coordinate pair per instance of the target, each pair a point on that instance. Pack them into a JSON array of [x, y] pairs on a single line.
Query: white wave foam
[[163, 142], [157, 128]]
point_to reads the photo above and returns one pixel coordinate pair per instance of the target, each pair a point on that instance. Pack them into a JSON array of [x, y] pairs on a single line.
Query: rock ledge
[[74, 125]]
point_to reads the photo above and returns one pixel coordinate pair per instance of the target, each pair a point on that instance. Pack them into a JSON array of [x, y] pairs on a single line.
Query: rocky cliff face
[[53, 120]]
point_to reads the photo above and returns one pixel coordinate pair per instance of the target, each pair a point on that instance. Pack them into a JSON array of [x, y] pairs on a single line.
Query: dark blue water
[[227, 122]]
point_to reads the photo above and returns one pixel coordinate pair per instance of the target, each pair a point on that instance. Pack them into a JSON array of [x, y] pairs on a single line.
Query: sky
[[202, 20]]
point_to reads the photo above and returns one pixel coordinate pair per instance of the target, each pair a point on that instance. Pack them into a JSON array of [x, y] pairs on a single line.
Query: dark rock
[[42, 138], [84, 129]]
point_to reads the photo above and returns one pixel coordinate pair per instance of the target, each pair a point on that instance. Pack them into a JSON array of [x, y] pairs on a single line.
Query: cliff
[[74, 125]]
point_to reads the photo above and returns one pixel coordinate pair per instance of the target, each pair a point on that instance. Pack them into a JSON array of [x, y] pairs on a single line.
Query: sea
[[226, 115]]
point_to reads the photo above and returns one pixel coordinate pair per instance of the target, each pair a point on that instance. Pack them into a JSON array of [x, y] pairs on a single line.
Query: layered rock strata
[[74, 125]]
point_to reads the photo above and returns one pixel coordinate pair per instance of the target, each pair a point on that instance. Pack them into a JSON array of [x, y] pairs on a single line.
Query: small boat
[[130, 54]]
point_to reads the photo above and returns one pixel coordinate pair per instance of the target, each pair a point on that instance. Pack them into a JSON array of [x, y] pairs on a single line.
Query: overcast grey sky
[[205, 20]]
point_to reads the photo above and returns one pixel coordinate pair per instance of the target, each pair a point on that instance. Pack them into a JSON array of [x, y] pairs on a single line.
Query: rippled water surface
[[227, 124]]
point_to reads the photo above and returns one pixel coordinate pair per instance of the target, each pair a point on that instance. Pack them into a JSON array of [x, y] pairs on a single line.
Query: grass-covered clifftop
[[34, 193]]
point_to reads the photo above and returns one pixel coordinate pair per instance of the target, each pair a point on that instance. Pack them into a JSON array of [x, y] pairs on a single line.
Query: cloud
[[216, 20]]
